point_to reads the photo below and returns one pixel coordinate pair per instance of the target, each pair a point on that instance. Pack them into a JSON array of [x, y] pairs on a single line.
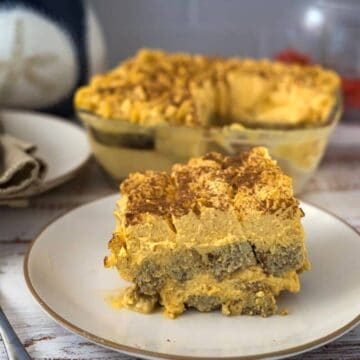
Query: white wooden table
[[335, 187]]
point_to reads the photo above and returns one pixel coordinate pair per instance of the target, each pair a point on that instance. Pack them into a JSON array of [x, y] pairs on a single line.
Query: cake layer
[[220, 262], [248, 291]]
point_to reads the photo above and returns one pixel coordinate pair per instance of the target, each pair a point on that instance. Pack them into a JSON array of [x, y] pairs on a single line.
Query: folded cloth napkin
[[21, 172]]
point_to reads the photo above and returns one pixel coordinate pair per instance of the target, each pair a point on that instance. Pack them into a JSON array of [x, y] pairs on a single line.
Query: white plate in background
[[60, 144]]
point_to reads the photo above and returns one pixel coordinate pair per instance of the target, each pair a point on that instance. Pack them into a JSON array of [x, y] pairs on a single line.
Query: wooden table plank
[[336, 187], [42, 337]]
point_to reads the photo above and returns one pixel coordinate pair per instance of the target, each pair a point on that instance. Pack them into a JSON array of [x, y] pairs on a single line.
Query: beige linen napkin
[[21, 172]]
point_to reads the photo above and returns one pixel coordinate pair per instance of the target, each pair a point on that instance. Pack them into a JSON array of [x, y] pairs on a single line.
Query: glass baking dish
[[122, 147]]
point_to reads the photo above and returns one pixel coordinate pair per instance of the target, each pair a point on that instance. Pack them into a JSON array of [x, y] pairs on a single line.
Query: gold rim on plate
[[140, 352]]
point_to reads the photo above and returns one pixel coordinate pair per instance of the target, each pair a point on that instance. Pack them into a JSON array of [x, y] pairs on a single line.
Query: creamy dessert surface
[[217, 232], [159, 88]]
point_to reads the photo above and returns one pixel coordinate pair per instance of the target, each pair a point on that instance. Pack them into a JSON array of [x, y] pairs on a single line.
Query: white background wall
[[225, 27]]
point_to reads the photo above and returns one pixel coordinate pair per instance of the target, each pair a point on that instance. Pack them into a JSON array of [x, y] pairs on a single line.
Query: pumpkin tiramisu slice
[[216, 233]]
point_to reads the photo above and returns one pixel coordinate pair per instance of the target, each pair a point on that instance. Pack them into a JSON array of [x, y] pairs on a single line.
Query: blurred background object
[[47, 49], [316, 31], [341, 48], [328, 35]]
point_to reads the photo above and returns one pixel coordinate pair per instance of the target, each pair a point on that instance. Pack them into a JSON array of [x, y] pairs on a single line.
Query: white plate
[[62, 145], [64, 272]]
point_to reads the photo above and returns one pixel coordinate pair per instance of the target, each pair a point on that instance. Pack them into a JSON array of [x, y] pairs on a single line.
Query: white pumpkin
[[38, 59]]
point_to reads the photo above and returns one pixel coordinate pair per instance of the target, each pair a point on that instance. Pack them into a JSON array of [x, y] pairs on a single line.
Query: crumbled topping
[[250, 181], [155, 88]]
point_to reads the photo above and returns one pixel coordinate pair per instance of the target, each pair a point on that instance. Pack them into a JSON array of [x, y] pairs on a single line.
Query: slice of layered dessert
[[216, 233]]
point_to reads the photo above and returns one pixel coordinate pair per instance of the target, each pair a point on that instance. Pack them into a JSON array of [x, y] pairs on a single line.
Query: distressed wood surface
[[335, 187]]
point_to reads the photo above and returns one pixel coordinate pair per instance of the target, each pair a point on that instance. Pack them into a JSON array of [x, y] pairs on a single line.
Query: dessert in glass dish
[[159, 108]]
